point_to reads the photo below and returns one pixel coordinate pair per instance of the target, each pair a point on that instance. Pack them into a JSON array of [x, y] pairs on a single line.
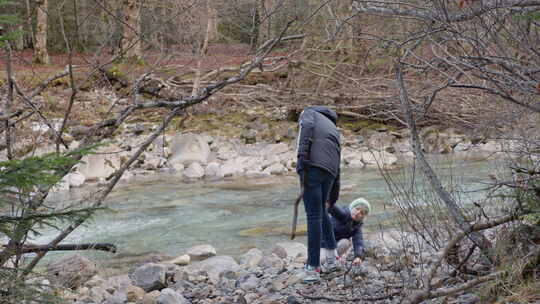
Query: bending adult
[[318, 162]]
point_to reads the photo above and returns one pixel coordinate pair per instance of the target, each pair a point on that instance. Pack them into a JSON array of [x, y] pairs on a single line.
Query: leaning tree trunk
[[455, 212], [40, 47], [131, 36]]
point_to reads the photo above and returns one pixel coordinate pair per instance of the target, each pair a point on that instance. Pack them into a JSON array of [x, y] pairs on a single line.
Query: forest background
[[469, 64]]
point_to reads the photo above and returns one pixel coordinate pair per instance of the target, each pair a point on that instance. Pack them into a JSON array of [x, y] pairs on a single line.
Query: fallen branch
[[421, 296], [28, 248]]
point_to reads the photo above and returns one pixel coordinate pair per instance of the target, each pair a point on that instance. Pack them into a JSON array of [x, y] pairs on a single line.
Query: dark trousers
[[316, 189]]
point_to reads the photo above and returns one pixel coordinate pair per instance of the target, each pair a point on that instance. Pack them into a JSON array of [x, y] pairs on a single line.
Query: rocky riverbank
[[213, 157], [388, 274]]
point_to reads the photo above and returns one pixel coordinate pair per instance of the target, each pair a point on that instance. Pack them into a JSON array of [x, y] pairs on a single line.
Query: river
[[164, 214]]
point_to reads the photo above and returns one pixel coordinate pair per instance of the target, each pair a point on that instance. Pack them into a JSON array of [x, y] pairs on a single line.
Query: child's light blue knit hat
[[360, 202]]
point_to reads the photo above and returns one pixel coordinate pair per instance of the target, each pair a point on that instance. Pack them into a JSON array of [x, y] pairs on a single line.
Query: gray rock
[[249, 136], [272, 262], [251, 258], [119, 282], [249, 282], [214, 266], [169, 296], [290, 250], [150, 277]]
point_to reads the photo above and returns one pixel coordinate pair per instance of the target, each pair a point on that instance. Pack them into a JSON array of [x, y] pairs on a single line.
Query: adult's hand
[[300, 165]]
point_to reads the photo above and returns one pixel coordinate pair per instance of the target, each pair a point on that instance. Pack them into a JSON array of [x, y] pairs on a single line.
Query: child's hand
[[357, 261]]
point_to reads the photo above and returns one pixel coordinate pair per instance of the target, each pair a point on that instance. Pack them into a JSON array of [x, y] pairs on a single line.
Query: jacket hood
[[326, 112]]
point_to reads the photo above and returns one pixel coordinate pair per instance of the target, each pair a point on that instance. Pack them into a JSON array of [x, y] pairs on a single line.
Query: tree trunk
[[131, 36], [264, 21], [202, 51], [18, 43], [455, 212], [40, 47], [255, 30], [29, 34]]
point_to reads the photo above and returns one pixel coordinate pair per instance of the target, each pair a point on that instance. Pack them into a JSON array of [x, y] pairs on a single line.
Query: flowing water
[[169, 216]]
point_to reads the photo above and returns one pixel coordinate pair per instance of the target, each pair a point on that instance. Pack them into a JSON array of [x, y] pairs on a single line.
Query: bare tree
[[132, 34], [41, 55]]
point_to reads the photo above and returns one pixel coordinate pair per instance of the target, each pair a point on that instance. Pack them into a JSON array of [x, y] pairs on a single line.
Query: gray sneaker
[[309, 274], [331, 265]]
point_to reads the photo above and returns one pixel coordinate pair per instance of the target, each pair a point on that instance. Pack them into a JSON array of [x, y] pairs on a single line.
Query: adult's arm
[[305, 137], [334, 192]]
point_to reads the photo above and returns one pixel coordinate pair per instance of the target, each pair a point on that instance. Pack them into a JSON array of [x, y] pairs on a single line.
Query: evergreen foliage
[[24, 185], [6, 21]]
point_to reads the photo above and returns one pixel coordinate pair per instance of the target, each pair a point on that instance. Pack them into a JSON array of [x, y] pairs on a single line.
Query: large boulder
[[189, 148], [71, 271], [98, 166]]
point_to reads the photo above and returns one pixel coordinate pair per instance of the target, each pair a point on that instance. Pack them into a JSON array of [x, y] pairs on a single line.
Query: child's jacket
[[345, 227]]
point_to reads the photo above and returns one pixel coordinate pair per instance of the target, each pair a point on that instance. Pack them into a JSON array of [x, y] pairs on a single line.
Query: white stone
[[213, 170], [96, 166], [201, 252], [181, 260], [269, 160], [76, 179], [178, 167], [195, 170], [231, 168], [189, 148], [378, 158], [276, 169]]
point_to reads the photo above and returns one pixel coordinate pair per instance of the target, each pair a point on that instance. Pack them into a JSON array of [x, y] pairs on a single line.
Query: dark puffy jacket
[[345, 227], [319, 143]]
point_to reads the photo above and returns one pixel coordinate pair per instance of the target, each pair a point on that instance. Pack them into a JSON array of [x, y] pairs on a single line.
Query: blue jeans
[[316, 189]]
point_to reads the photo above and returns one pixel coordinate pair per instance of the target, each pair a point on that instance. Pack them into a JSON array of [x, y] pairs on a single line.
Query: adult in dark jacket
[[318, 162], [347, 223]]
